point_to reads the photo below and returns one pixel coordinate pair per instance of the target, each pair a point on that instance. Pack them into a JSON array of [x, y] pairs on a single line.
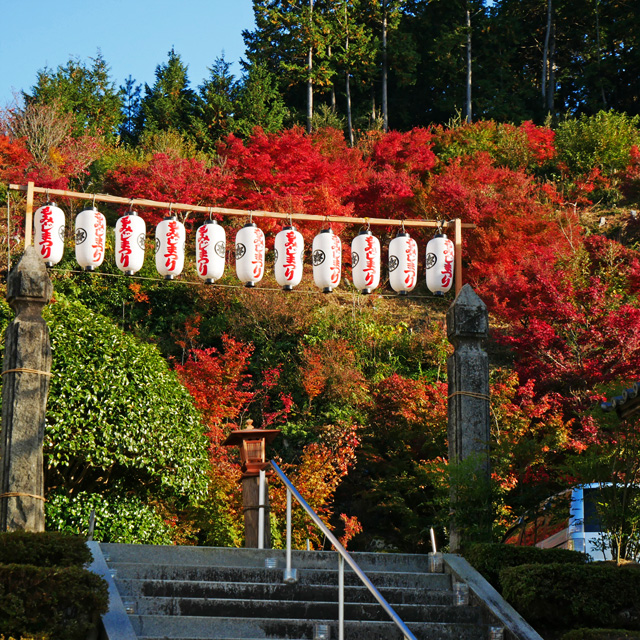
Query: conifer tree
[[259, 102], [170, 103], [215, 106], [84, 90], [131, 111]]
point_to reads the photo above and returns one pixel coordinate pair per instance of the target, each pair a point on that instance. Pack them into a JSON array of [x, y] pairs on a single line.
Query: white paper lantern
[[91, 231], [365, 261], [440, 261], [131, 233], [403, 263], [170, 239], [211, 246], [49, 233], [327, 260], [250, 254], [289, 254]]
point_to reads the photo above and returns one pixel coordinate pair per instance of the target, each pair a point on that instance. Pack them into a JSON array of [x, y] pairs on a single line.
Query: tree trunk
[[468, 107], [348, 80], [604, 97], [349, 121], [385, 70], [332, 89], [374, 115], [310, 71], [551, 89], [545, 54]]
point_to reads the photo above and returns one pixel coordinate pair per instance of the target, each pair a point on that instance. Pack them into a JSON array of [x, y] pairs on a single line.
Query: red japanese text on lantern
[[126, 231], [173, 236], [411, 270], [447, 268], [258, 256], [370, 252], [98, 240], [290, 250], [203, 251], [336, 259], [46, 235]]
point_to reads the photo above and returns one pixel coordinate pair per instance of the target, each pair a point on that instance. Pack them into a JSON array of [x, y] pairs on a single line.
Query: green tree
[[613, 461], [292, 40], [259, 103], [170, 104], [86, 91], [214, 114], [601, 141], [354, 50], [131, 111], [122, 434]]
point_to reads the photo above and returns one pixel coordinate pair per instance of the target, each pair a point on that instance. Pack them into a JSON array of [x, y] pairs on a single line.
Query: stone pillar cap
[[467, 316], [29, 279]]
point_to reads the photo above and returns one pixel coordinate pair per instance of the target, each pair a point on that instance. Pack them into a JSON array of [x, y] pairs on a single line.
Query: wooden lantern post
[[253, 444]]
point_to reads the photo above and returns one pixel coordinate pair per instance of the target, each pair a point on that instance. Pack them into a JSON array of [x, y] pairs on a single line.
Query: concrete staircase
[[198, 593]]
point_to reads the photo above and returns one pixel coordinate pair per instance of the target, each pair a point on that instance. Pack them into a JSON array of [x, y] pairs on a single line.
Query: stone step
[[195, 628], [138, 571], [275, 591], [301, 609], [230, 557]]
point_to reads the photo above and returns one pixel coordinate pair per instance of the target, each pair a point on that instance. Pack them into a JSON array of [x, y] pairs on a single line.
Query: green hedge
[[47, 549], [45, 591], [601, 634], [490, 559], [565, 596], [60, 602]]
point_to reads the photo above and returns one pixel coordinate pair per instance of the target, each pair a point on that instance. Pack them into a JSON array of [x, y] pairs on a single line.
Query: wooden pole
[[177, 206], [28, 216], [457, 242]]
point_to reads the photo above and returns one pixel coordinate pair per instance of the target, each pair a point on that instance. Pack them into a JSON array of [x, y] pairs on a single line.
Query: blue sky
[[134, 37]]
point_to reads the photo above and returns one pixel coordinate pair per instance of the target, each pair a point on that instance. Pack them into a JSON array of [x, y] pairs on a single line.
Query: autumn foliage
[[358, 385]]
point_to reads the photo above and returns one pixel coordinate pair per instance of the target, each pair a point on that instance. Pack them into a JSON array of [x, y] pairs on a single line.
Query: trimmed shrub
[[59, 602], [600, 634], [565, 596], [490, 559], [49, 549]]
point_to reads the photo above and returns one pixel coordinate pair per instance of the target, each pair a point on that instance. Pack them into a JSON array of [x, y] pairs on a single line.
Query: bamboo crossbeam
[[177, 206]]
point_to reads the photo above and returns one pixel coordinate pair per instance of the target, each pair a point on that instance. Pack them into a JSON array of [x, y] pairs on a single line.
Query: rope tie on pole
[[470, 394], [24, 370], [18, 494]]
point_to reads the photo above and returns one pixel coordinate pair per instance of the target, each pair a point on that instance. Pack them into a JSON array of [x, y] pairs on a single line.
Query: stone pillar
[[469, 419], [250, 500], [25, 384]]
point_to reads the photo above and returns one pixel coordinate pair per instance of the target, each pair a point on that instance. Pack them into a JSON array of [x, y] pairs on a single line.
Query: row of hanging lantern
[[250, 251]]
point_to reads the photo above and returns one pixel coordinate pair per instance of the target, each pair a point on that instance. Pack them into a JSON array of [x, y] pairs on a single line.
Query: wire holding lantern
[[170, 260]]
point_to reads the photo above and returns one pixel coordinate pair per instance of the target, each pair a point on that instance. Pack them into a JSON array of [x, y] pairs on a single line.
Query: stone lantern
[[253, 443]]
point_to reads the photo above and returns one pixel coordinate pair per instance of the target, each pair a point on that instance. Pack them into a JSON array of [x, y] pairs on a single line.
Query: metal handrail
[[343, 556]]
